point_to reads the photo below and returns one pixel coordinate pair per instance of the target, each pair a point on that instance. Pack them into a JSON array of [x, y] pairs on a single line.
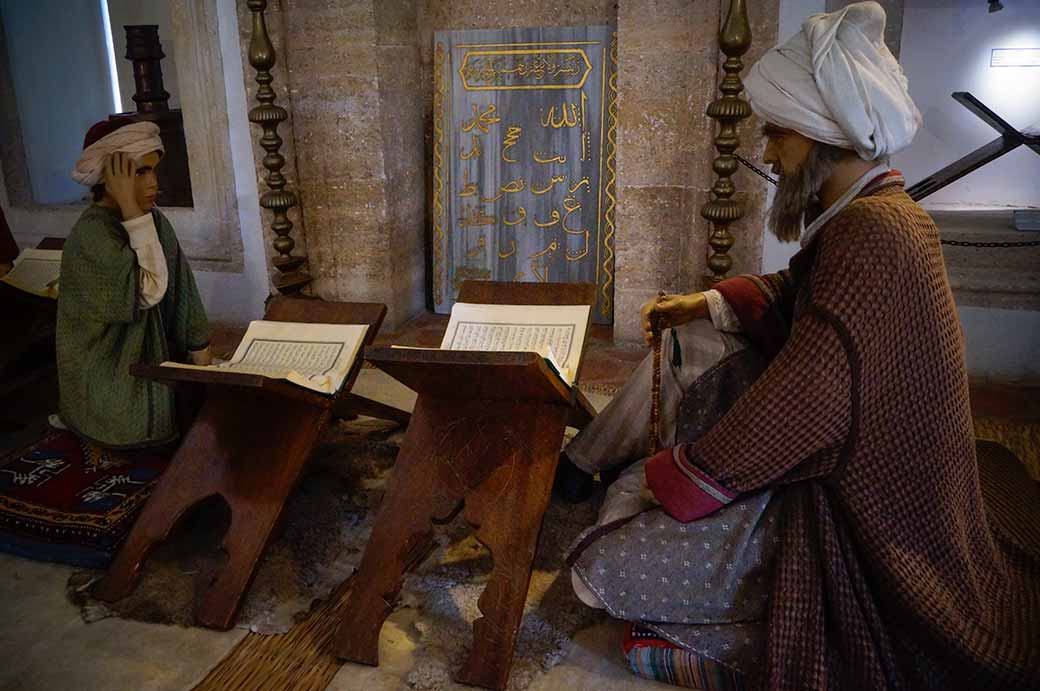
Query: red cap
[[104, 128]]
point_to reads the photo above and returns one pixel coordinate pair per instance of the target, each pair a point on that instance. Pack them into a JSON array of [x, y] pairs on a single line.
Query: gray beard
[[796, 194]]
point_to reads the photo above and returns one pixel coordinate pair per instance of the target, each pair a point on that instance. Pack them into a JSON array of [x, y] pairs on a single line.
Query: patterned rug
[[66, 500]]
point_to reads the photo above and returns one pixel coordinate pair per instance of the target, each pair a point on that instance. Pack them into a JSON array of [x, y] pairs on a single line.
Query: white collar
[[844, 200]]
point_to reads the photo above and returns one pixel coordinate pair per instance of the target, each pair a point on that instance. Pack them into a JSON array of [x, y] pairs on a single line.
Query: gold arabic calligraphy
[[498, 70], [481, 120]]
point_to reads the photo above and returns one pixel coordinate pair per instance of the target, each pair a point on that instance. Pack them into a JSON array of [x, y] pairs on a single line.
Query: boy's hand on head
[[120, 178]]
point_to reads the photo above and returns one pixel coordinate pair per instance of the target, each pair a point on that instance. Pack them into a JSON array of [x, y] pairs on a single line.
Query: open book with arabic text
[[316, 356], [556, 332], [36, 272]]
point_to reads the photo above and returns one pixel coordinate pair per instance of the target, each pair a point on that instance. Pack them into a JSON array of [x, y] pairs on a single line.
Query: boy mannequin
[[127, 296]]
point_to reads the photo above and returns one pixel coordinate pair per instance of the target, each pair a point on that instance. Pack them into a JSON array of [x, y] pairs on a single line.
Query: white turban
[[836, 82], [137, 139]]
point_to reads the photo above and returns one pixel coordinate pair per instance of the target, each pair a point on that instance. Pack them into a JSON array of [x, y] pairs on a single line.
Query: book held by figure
[[316, 356], [36, 271], [556, 332]]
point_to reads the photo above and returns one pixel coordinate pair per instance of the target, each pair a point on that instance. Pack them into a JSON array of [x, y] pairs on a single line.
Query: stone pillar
[[358, 136], [402, 118], [667, 57], [669, 66], [352, 71], [764, 17]]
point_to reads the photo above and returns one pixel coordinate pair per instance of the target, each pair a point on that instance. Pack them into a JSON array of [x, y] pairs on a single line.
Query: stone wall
[[360, 92], [669, 67]]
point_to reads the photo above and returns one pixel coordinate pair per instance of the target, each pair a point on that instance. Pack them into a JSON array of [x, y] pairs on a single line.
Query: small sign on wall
[[1014, 57]]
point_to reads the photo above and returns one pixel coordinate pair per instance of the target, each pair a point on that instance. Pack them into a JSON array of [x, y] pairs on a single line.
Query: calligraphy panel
[[525, 134]]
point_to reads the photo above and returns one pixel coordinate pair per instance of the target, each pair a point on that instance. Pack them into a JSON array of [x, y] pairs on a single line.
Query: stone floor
[[47, 647], [44, 644]]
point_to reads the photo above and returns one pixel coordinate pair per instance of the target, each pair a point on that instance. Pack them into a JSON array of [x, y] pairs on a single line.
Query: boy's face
[[146, 184]]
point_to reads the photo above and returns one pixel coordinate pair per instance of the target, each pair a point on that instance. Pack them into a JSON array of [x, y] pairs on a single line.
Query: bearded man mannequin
[[127, 295], [829, 531]]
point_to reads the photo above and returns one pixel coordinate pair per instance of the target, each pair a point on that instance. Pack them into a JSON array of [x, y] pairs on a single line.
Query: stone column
[[764, 17], [359, 149], [352, 73], [668, 70], [402, 116], [667, 57]]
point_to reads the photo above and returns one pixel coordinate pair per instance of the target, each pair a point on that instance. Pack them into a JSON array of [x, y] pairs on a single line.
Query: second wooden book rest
[[27, 346], [248, 445], [484, 438]]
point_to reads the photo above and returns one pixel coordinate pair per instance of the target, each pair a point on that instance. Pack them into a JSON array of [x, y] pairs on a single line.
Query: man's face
[[146, 184], [786, 150], [801, 166]]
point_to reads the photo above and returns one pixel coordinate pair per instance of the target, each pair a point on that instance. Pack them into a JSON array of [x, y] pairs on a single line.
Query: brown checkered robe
[[893, 571]]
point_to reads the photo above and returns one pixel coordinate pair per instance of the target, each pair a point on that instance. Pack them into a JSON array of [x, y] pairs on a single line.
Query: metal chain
[[754, 169], [654, 432], [956, 243]]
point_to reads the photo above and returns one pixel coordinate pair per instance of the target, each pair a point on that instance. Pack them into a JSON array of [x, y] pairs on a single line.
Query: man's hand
[[672, 310], [120, 183]]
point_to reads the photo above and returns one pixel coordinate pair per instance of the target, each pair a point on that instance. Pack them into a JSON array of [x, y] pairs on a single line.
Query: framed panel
[[524, 154]]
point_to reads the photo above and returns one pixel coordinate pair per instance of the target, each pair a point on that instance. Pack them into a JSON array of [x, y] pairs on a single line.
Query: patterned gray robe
[[702, 585]]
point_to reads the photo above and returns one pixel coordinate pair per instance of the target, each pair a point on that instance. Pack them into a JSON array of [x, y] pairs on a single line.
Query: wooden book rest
[[27, 346], [485, 437], [248, 445]]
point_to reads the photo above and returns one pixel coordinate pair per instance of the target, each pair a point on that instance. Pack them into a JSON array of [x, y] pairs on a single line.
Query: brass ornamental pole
[[729, 110], [291, 277]]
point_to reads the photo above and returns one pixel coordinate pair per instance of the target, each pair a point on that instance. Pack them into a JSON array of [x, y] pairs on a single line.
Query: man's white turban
[[836, 82], [137, 139]]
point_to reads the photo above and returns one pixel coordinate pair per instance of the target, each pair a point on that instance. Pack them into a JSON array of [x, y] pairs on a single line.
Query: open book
[[556, 332], [36, 272], [316, 356]]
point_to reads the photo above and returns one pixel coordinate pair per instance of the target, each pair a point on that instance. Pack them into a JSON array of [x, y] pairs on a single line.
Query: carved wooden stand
[[29, 322], [248, 445], [485, 437]]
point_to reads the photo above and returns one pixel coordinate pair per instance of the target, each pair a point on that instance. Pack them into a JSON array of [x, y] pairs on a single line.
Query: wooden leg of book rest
[[175, 493], [244, 542], [507, 513], [252, 461], [403, 528], [501, 461]]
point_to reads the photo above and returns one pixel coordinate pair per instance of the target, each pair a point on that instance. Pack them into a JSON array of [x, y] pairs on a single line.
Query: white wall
[[946, 48], [238, 298], [59, 67]]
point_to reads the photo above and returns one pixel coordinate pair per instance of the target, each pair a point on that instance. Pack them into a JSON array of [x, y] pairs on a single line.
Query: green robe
[[101, 331]]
